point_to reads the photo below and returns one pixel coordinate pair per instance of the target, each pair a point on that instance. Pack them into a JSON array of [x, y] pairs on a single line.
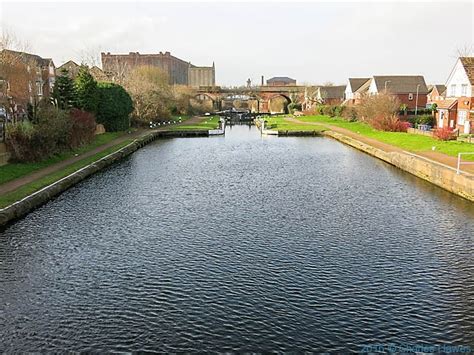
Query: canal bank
[[25, 205], [436, 173]]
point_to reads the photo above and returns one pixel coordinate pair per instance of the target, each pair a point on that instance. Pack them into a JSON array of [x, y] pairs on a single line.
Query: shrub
[[115, 106], [444, 134], [390, 124], [51, 135], [349, 113], [82, 127], [425, 119]]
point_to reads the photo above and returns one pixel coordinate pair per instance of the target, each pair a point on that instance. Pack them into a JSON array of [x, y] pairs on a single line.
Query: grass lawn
[[15, 170], [278, 123], [34, 186], [406, 141], [206, 123]]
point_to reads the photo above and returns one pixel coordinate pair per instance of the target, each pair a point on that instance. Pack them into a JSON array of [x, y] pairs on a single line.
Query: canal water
[[240, 243]]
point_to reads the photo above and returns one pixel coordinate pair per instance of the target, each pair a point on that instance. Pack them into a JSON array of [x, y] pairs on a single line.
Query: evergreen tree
[[64, 92], [86, 90]]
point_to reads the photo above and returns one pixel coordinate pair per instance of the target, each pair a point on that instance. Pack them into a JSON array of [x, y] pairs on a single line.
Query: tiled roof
[[468, 64], [440, 88], [356, 83], [447, 104], [401, 84]]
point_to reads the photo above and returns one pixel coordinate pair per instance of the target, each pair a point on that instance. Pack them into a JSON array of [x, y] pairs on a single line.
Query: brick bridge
[[260, 99]]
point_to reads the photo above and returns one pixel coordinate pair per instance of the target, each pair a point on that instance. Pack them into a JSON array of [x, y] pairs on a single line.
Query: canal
[[240, 243]]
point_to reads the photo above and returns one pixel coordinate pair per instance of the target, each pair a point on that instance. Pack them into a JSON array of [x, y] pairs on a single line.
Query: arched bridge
[[259, 99]]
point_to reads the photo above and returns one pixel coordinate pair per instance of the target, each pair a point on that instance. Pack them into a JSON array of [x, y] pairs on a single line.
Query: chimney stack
[[262, 80]]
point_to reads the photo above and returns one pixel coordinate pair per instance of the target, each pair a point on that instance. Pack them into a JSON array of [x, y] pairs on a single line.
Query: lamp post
[[416, 100], [386, 82]]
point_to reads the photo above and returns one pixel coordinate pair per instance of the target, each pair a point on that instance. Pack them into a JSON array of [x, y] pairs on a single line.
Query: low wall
[[436, 173]]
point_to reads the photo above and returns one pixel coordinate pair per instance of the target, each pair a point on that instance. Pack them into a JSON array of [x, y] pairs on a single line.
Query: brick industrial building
[[179, 71]]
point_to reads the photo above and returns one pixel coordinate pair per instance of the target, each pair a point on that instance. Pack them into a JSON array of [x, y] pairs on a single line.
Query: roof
[[440, 88], [332, 92], [28, 56], [281, 78], [401, 84], [69, 62], [447, 104], [356, 83], [468, 64], [365, 87]]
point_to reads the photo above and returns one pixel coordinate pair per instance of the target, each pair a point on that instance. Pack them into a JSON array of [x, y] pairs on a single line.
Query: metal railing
[[458, 170]]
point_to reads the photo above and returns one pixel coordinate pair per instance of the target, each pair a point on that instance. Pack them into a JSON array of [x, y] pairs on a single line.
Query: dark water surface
[[240, 243]]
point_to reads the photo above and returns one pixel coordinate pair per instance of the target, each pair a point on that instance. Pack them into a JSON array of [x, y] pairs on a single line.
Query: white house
[[458, 112]]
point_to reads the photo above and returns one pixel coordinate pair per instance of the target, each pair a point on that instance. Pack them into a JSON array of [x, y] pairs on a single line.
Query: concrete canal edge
[[426, 169], [22, 207]]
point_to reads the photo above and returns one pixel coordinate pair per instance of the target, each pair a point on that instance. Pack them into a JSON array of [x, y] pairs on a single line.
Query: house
[[411, 90], [27, 77], [355, 89], [281, 81], [457, 110], [436, 94], [72, 68], [330, 95]]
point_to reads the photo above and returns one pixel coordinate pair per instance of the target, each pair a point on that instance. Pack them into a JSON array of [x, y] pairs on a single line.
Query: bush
[[115, 107], [444, 134], [380, 111], [82, 128], [425, 119], [390, 124], [349, 113], [28, 142]]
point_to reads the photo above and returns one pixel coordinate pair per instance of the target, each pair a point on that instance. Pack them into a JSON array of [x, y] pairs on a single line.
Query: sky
[[312, 42]]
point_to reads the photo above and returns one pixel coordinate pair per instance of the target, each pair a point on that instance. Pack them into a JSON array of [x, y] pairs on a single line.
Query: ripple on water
[[240, 244]]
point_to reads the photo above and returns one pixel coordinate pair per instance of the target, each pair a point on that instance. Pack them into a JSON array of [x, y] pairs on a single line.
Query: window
[[462, 115], [39, 88], [410, 96], [452, 91], [464, 90]]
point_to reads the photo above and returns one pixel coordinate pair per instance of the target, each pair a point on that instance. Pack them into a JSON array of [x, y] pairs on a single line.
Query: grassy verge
[[34, 186], [278, 123], [206, 123], [406, 141], [16, 170]]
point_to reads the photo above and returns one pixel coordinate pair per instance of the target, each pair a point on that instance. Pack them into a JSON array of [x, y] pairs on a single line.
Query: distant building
[[457, 110], [26, 78], [355, 89], [179, 71], [281, 81], [330, 95], [201, 76], [411, 90], [72, 68], [436, 94]]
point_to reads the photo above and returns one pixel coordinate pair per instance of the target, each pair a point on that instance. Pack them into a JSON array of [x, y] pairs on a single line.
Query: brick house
[[72, 68], [436, 94], [458, 110], [411, 90], [281, 81], [27, 78], [356, 88]]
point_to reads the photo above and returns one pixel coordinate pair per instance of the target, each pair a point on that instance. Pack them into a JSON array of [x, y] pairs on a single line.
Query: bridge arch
[[278, 103]]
